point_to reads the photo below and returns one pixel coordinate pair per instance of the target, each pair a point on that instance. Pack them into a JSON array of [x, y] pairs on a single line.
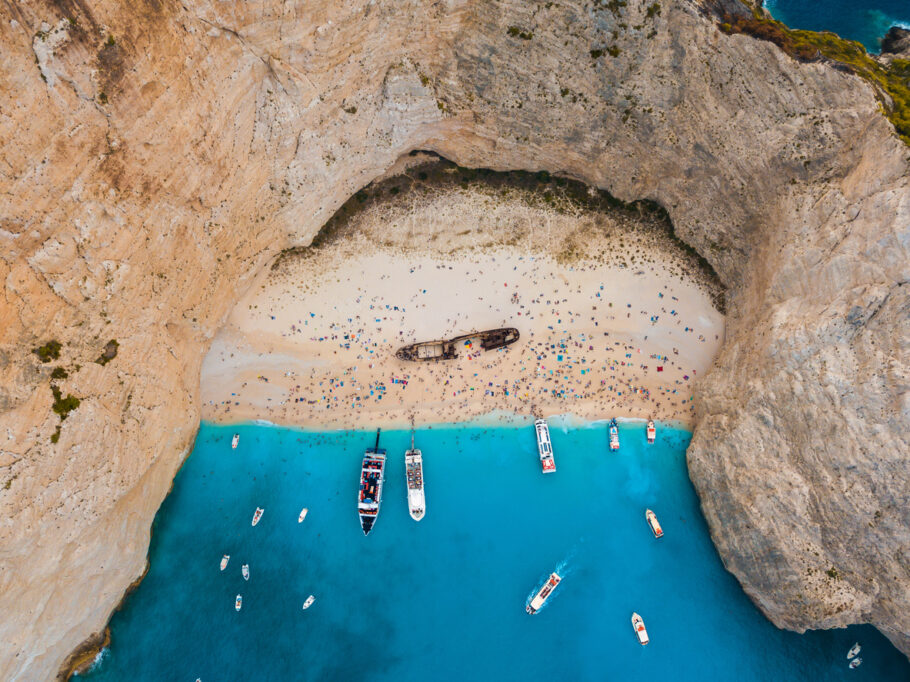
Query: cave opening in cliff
[[614, 311]]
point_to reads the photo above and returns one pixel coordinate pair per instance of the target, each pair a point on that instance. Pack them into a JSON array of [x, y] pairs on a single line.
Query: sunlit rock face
[[157, 154]]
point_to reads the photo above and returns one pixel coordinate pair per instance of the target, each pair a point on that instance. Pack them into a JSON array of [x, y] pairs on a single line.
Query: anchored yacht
[[245, 571], [303, 514], [413, 465], [544, 446], [652, 432], [309, 602], [639, 625], [234, 441], [238, 602], [372, 476], [651, 518], [543, 594], [614, 435], [224, 561], [257, 515]]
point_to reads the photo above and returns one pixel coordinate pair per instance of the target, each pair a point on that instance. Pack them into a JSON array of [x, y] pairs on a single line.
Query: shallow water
[[444, 599], [864, 20]]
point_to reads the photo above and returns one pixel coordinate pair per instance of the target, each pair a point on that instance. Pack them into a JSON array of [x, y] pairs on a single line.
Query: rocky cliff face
[[157, 154]]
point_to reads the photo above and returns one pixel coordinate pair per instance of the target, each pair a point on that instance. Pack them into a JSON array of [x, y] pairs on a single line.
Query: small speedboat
[[855, 663], [302, 516], [245, 571], [234, 441], [238, 602], [309, 602], [652, 432], [639, 626], [651, 517], [224, 560], [855, 649], [536, 604], [257, 515]]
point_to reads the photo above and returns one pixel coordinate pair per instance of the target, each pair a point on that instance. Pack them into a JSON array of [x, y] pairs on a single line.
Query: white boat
[[651, 518], [245, 571], [309, 602], [238, 602], [855, 649], [372, 476], [614, 435], [652, 432], [639, 626], [257, 515], [855, 663], [303, 513], [544, 446], [543, 594], [234, 441], [224, 560], [413, 468]]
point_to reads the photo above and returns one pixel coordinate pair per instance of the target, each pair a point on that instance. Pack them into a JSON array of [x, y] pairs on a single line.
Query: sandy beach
[[621, 327]]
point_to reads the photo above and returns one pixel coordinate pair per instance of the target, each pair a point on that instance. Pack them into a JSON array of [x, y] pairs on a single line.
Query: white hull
[[639, 626], [413, 467], [245, 571], [257, 515], [544, 446], [302, 515], [652, 432], [238, 603], [224, 561], [651, 518], [309, 602], [544, 593], [234, 441]]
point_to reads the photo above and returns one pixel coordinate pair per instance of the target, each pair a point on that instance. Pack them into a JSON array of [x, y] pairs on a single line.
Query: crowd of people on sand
[[581, 351]]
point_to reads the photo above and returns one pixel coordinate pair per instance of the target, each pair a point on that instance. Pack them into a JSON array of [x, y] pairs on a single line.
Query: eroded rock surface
[[157, 154]]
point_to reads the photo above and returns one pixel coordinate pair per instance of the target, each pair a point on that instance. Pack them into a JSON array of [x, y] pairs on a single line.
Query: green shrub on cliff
[[889, 82], [49, 351]]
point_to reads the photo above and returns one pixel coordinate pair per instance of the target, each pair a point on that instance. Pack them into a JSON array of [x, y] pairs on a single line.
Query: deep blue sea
[[864, 20], [444, 599]]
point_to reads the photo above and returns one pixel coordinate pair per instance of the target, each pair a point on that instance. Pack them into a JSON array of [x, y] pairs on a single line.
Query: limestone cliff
[[157, 154]]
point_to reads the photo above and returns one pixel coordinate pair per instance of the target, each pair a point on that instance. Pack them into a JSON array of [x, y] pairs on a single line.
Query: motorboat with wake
[[652, 432], [238, 602], [651, 518], [544, 446], [309, 602], [543, 594], [614, 435], [234, 441], [639, 626], [413, 466], [372, 476], [257, 515], [224, 561], [245, 571], [303, 513]]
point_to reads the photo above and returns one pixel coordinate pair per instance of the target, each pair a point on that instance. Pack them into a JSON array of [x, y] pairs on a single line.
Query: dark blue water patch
[[444, 599], [866, 21]]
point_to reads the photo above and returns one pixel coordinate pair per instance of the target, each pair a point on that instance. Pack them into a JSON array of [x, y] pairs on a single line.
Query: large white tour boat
[[372, 476], [413, 465], [614, 435], [543, 594], [234, 441], [544, 446], [652, 432]]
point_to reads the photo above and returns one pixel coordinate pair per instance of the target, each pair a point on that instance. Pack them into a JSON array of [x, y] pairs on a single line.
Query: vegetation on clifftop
[[890, 82]]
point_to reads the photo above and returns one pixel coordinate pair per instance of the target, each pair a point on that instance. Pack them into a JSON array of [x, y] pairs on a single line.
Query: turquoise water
[[444, 599], [864, 20]]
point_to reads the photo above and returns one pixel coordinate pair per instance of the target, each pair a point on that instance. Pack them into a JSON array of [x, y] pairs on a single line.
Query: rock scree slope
[[157, 154]]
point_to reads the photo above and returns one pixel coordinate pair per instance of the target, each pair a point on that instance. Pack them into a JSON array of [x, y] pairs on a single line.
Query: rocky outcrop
[[897, 42], [158, 154]]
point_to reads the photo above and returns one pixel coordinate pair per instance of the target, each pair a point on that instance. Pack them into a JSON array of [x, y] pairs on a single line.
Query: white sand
[[313, 343]]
